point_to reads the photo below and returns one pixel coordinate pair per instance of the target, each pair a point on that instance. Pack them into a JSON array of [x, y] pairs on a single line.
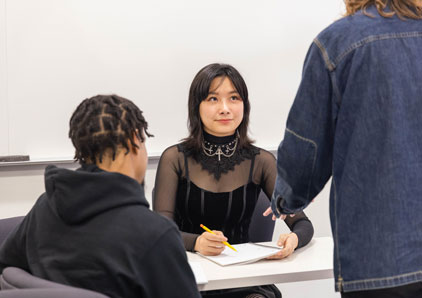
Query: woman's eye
[[235, 98], [212, 98]]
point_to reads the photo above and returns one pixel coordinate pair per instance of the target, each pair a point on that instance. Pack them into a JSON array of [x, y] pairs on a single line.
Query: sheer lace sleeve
[[299, 224], [165, 189]]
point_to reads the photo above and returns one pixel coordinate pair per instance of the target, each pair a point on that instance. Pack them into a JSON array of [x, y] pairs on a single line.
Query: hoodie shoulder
[[157, 223], [81, 195]]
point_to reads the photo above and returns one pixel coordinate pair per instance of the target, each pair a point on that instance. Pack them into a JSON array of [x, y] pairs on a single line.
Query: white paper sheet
[[246, 253]]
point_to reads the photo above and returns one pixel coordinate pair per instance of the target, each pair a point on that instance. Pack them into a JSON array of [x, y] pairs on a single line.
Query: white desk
[[314, 261]]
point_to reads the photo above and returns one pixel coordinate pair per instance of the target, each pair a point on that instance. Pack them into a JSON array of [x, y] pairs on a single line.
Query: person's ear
[[134, 140], [137, 140]]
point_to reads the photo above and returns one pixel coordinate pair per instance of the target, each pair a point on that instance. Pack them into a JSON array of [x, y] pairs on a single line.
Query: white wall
[[4, 121], [54, 53]]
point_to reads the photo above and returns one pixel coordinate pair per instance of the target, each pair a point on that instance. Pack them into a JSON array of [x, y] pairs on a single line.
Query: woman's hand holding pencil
[[210, 243]]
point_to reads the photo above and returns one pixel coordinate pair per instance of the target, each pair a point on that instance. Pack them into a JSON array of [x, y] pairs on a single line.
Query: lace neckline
[[220, 164], [220, 146]]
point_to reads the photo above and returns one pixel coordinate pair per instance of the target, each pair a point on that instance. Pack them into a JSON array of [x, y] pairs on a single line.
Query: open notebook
[[246, 253]]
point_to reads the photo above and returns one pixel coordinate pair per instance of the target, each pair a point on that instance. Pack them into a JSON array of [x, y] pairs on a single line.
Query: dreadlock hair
[[386, 8], [199, 90], [102, 123]]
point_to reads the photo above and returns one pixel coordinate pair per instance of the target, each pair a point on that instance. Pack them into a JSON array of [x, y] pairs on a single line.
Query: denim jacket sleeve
[[304, 157]]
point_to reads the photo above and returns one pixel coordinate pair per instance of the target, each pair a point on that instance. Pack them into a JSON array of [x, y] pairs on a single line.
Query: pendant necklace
[[226, 150]]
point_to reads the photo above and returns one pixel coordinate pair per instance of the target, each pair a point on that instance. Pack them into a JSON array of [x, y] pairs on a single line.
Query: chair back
[[49, 293], [17, 283], [7, 225], [17, 280], [262, 227]]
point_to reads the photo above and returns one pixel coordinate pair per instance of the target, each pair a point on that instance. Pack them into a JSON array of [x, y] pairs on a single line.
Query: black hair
[[102, 123], [199, 91]]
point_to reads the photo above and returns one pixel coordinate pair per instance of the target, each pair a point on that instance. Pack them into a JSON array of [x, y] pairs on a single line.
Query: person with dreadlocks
[[92, 228]]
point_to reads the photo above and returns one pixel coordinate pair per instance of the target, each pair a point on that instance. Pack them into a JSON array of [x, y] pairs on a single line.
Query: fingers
[[282, 239], [217, 237], [212, 251], [289, 243], [218, 233], [210, 244], [284, 253], [268, 212]]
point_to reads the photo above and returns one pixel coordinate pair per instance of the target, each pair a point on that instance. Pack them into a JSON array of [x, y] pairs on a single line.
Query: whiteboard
[[57, 52], [4, 129]]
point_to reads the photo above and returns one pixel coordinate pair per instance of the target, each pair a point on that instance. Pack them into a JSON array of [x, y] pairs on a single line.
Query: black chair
[[22, 282], [48, 293], [17, 283], [262, 227], [7, 225]]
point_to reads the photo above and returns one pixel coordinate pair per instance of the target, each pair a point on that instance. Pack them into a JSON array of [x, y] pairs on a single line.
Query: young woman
[[215, 175]]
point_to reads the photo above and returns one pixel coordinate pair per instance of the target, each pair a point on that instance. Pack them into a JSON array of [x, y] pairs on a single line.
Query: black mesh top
[[194, 190]]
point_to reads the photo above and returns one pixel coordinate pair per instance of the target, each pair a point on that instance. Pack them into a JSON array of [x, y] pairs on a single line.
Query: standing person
[[215, 175], [356, 117], [92, 228]]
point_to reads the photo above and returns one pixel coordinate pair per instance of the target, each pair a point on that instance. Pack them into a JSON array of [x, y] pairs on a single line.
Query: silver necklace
[[226, 150]]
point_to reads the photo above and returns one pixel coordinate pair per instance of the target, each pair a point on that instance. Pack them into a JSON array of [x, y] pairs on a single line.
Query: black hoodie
[[93, 229]]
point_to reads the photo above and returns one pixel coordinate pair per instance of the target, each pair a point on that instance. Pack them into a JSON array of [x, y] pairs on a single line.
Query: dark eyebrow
[[216, 93]]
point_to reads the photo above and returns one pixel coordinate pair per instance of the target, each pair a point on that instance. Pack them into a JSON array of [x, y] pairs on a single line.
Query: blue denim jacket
[[357, 117]]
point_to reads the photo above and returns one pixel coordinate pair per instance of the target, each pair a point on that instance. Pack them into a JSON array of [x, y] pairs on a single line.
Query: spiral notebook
[[246, 253]]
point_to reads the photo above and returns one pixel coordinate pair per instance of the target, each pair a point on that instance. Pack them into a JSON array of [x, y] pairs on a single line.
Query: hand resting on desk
[[289, 243], [210, 244]]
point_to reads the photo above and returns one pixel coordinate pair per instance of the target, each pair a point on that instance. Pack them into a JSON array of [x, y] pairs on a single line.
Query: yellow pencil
[[224, 242]]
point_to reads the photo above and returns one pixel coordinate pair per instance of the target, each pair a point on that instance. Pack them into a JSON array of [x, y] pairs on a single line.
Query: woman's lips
[[224, 120]]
